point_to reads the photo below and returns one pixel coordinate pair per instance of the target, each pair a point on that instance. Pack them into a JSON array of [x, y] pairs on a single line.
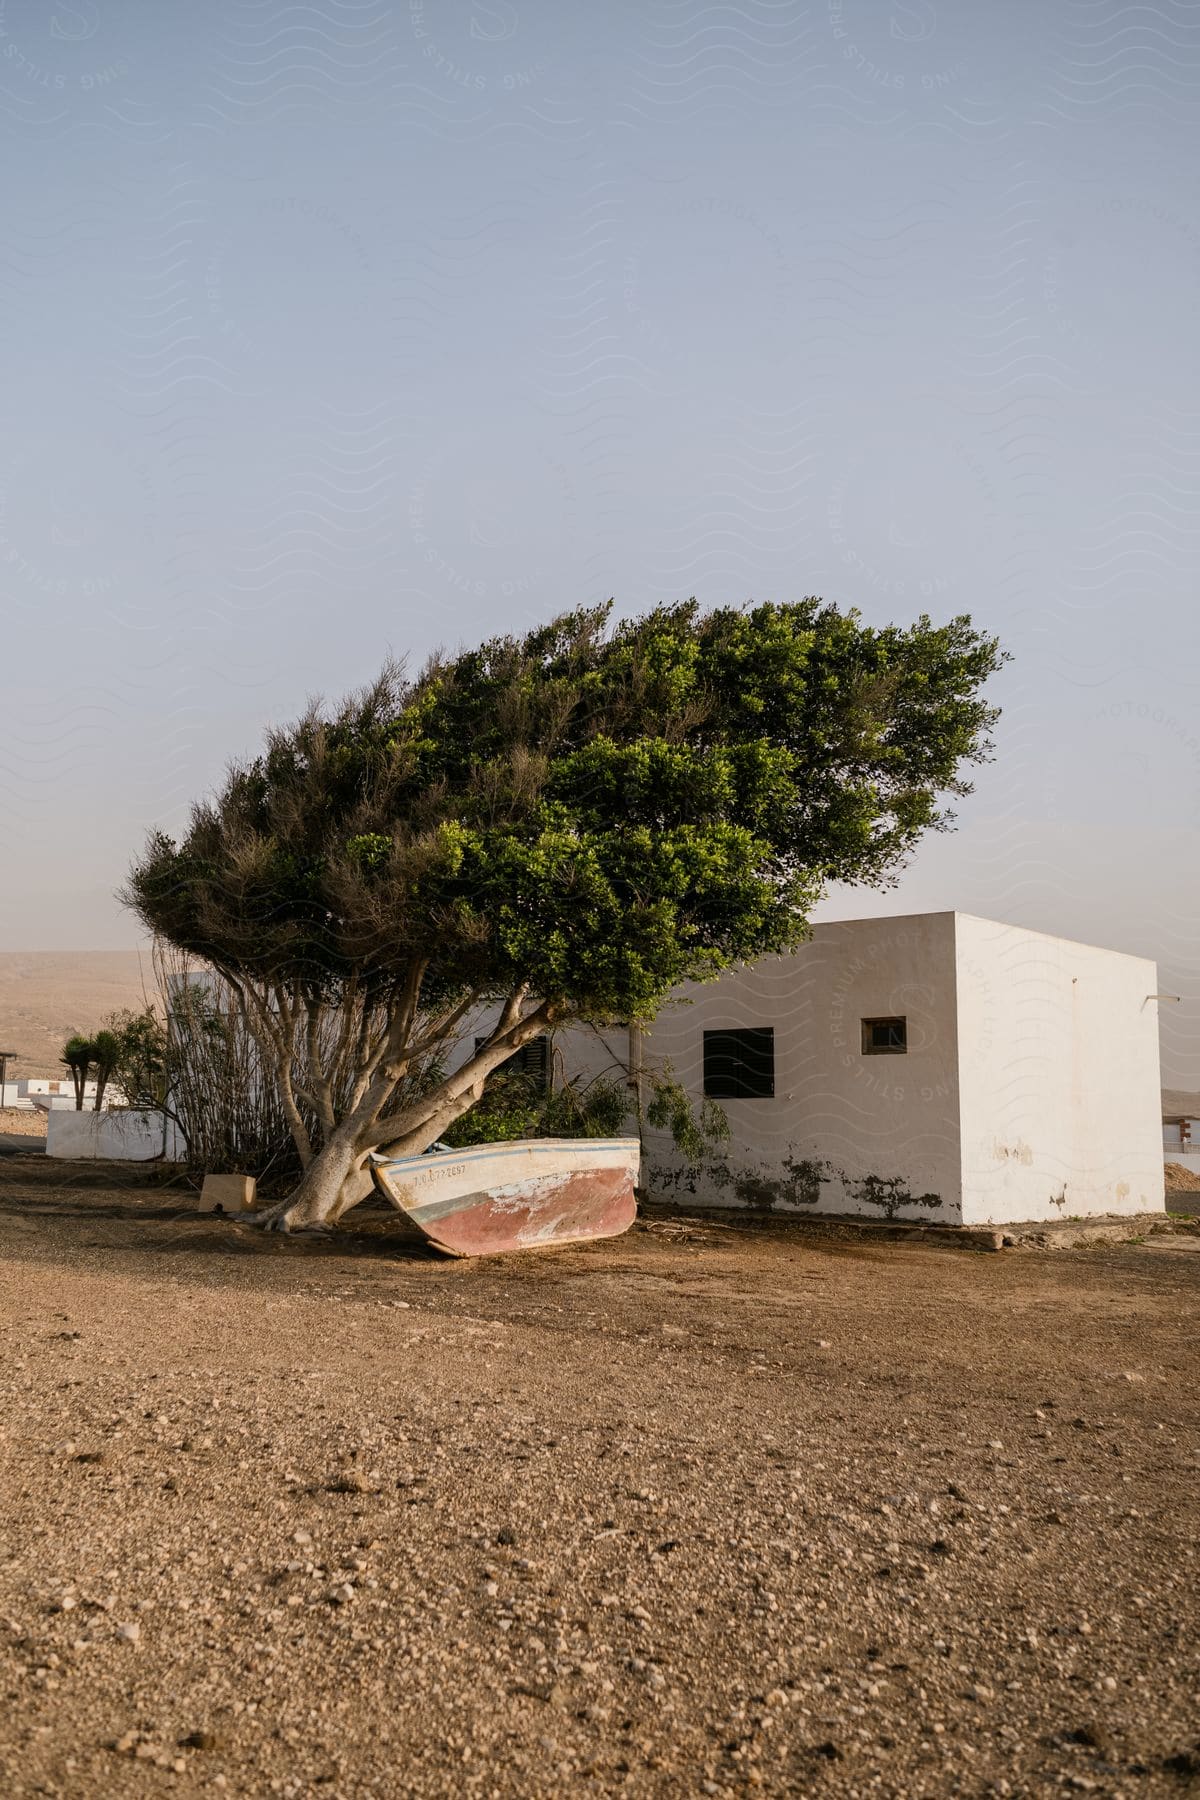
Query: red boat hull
[[491, 1201]]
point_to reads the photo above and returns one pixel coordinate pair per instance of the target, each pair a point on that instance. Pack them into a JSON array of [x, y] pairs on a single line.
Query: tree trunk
[[334, 1181], [338, 1177], [331, 1184]]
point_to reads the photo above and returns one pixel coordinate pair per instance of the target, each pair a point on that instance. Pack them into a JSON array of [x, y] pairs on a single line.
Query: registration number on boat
[[427, 1176]]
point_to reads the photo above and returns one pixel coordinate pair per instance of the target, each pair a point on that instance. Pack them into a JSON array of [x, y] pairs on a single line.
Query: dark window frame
[[739, 1062], [532, 1060], [891, 1023]]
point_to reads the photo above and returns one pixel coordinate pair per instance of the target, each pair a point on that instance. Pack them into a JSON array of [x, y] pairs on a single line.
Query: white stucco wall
[[845, 1133], [109, 1136], [1059, 1077]]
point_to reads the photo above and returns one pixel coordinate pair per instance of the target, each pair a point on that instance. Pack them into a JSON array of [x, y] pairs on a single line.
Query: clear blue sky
[[356, 327]]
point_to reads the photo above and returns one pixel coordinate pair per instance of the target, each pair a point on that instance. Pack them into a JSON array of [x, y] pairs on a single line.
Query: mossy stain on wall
[[888, 1193]]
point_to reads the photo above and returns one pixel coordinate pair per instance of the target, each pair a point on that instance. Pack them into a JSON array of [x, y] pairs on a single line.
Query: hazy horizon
[[368, 327]]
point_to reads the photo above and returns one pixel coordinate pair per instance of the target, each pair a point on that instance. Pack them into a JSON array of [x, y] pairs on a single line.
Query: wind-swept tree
[[565, 825]]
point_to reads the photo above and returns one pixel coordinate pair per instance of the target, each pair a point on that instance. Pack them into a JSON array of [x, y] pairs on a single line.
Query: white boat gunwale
[[425, 1159]]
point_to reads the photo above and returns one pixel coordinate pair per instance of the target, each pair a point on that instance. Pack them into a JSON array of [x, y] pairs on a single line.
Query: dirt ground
[[702, 1510], [16, 1121]]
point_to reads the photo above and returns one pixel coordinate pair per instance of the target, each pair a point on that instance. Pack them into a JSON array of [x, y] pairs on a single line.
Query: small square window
[[740, 1065], [884, 1037]]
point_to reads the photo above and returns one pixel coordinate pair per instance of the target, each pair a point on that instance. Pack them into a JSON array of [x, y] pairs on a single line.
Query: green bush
[[510, 1108], [514, 1106]]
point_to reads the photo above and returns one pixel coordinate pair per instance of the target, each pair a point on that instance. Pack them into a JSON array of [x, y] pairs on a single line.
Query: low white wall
[[1186, 1159], [109, 1136]]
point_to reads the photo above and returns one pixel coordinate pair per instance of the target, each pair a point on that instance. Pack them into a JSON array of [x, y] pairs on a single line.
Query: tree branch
[[321, 1086], [438, 1034], [465, 1081], [284, 1048]]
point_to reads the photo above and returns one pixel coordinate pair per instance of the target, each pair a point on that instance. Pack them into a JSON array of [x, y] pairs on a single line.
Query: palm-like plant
[[78, 1054], [106, 1050]]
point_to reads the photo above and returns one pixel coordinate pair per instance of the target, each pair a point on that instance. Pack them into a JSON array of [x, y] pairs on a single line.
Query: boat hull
[[494, 1199]]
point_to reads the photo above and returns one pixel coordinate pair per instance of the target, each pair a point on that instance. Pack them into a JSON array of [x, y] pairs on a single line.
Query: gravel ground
[[704, 1510]]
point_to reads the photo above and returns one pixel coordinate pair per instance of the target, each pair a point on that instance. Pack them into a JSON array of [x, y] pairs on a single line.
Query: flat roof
[[954, 912]]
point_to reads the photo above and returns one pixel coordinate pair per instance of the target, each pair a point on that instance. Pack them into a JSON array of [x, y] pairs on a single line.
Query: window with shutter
[[740, 1064], [531, 1060]]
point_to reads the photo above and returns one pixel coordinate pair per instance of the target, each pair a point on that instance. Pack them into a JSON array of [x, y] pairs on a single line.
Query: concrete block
[[227, 1193]]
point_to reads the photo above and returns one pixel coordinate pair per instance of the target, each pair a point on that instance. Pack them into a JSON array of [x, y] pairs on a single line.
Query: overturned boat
[[491, 1198]]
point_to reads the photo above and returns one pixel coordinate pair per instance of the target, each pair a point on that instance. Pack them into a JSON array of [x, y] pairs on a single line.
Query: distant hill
[[45, 995]]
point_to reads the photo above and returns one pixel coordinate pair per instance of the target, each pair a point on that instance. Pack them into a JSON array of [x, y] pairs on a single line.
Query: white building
[[938, 1068], [46, 1091]]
